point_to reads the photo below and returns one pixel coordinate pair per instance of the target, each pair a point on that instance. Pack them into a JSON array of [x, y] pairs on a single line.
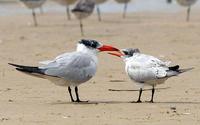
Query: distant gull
[[125, 2], [98, 2], [82, 10], [66, 3], [187, 3], [33, 4]]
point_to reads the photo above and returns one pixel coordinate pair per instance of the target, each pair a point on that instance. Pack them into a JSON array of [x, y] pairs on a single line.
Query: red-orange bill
[[108, 48], [117, 53]]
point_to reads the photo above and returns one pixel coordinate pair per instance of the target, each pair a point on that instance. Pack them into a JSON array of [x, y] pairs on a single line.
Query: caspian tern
[[147, 70], [70, 69]]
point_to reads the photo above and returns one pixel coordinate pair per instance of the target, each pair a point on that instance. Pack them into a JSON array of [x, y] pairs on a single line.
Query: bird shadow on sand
[[135, 90], [90, 102], [178, 102], [57, 25], [113, 22], [123, 21], [120, 102]]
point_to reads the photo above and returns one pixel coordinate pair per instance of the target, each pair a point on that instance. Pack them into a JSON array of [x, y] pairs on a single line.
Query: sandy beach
[[25, 100]]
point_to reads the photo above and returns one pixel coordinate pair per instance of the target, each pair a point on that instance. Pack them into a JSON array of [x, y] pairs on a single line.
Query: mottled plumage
[[147, 70]]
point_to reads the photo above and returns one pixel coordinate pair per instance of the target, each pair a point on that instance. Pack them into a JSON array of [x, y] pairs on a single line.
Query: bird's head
[[93, 46], [126, 53]]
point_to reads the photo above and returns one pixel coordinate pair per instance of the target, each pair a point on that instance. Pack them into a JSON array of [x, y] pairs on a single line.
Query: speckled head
[[130, 51], [90, 43]]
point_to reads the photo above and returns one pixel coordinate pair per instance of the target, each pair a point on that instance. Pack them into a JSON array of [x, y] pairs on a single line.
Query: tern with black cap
[[70, 69]]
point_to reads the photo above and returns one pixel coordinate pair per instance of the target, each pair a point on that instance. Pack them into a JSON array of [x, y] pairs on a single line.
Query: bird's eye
[[125, 52]]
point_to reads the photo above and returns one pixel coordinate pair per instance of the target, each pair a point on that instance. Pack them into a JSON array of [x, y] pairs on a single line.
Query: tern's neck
[[84, 49], [125, 58]]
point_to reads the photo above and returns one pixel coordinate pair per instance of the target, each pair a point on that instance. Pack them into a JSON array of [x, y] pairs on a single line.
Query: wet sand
[[28, 100]]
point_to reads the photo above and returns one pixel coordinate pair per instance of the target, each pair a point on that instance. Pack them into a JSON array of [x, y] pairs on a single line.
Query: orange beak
[[108, 48], [118, 54]]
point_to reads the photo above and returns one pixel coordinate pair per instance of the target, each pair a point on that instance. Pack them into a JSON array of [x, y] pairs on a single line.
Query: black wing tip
[[174, 68], [20, 69], [16, 65], [12, 64]]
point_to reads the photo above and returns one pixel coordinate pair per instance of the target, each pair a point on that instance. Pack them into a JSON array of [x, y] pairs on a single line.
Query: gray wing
[[74, 67]]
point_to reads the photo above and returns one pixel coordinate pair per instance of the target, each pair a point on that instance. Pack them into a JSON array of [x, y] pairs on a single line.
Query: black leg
[[153, 91], [68, 13], [70, 93], [81, 26], [34, 17], [99, 13], [140, 93], [77, 96], [125, 9], [188, 14]]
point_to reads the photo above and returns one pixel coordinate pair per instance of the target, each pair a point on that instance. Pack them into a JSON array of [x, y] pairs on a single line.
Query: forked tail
[[174, 71], [34, 71]]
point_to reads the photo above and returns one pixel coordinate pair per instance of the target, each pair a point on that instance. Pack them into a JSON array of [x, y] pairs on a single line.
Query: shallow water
[[109, 7]]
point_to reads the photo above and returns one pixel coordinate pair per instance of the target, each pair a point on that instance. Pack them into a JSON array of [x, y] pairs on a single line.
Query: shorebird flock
[[84, 8]]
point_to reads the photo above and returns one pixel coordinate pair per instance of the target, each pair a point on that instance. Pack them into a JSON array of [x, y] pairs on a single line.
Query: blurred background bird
[[82, 10], [125, 2], [98, 2], [66, 3], [33, 4], [188, 4]]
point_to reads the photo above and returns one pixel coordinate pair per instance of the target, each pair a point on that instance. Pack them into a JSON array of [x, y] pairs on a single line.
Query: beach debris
[[173, 108], [22, 37], [65, 117], [10, 100], [93, 82], [186, 113], [4, 119], [123, 90]]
